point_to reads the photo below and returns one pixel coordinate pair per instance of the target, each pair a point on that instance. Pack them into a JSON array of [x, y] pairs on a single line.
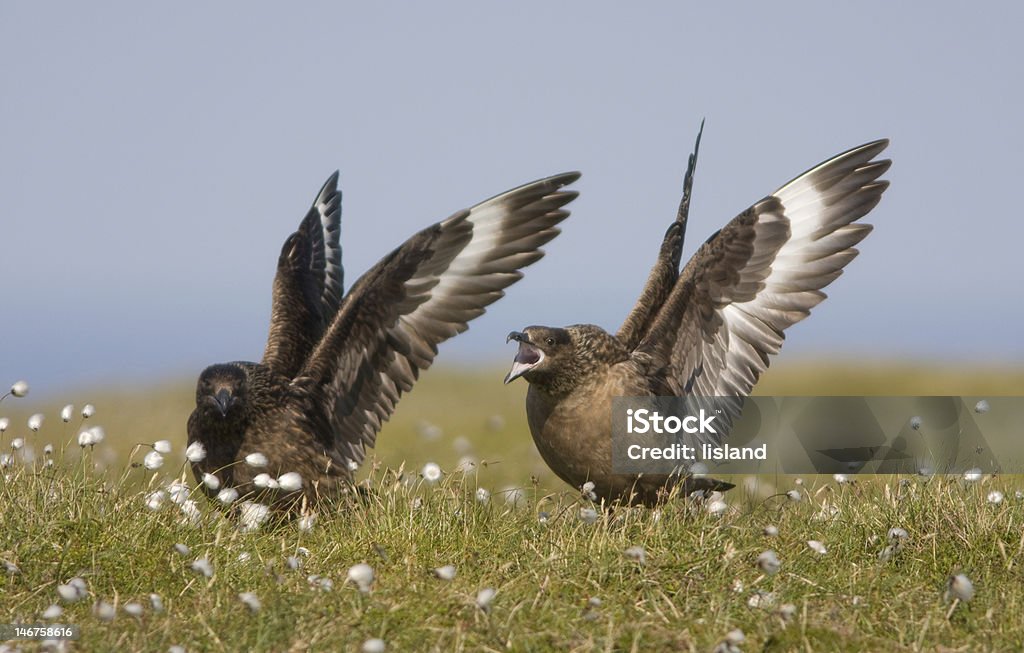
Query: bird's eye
[[549, 341]]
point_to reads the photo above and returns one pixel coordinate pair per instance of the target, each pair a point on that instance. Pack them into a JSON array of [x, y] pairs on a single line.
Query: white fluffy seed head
[[841, 478], [211, 481], [155, 500], [290, 481], [20, 388], [202, 566], [588, 515], [182, 549], [897, 533], [636, 553], [153, 460], [178, 491], [307, 522], [960, 587], [484, 598], [769, 562], [981, 407], [262, 480], [794, 495], [6, 460], [162, 446], [995, 497], [431, 472], [104, 611], [195, 452], [251, 601], [362, 575], [446, 572], [973, 475], [817, 547], [85, 439], [133, 608], [227, 495], [252, 515], [52, 612], [98, 434], [353, 466], [717, 507], [771, 531], [66, 412], [35, 422], [88, 411], [256, 460], [374, 645], [915, 423], [483, 495], [4, 423], [17, 443], [156, 602]]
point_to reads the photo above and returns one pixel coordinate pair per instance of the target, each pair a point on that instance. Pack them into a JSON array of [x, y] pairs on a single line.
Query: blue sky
[[154, 156]]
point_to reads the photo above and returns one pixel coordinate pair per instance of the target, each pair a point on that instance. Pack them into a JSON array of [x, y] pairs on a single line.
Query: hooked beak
[[223, 400], [527, 358]]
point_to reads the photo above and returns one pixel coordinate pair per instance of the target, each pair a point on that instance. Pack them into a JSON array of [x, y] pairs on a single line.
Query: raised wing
[[392, 321], [308, 284], [665, 272], [762, 273]]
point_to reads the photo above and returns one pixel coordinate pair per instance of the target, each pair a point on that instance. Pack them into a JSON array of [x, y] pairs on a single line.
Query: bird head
[[558, 359], [541, 349], [221, 390]]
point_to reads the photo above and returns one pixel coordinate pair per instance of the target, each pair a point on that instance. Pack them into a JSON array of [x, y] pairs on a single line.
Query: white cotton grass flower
[[227, 495], [973, 475], [252, 515], [85, 439], [162, 446], [157, 602], [211, 481], [176, 648], [794, 495], [182, 549], [373, 645], [637, 554], [446, 572], [6, 460], [178, 491], [251, 601], [717, 508], [915, 423], [88, 411], [52, 612], [244, 556], [153, 460], [769, 562], [20, 388], [256, 459], [195, 452], [817, 547], [995, 497], [265, 481], [841, 478], [959, 587], [362, 575], [4, 423], [104, 611], [202, 566], [484, 598], [982, 407], [483, 495], [98, 434], [514, 496], [75, 590], [587, 490], [293, 562], [320, 583], [588, 515], [771, 530], [896, 534], [290, 481], [787, 611], [155, 500], [307, 522], [66, 413], [353, 466], [431, 473], [17, 443], [133, 608], [35, 422], [190, 510]]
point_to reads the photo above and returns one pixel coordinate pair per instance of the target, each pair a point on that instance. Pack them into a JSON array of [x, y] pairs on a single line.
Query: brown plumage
[[705, 331], [335, 366]]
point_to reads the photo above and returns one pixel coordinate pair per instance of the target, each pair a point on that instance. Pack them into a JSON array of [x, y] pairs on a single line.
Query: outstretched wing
[[392, 321], [308, 284], [665, 272], [762, 273]]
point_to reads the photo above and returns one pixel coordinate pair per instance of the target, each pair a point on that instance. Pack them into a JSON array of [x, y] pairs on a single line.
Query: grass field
[[564, 578]]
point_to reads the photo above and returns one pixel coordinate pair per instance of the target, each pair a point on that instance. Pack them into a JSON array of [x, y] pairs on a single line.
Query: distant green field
[[563, 578]]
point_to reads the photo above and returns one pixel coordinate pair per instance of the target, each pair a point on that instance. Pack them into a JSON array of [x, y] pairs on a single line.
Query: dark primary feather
[[308, 284], [666, 269], [334, 368]]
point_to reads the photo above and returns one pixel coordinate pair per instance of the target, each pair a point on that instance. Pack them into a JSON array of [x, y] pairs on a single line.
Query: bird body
[[707, 330], [296, 425]]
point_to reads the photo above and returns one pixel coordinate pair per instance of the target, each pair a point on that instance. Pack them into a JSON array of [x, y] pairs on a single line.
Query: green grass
[[87, 517]]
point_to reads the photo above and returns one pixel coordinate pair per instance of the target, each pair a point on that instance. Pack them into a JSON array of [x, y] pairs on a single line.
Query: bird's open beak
[[223, 400], [527, 358]]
